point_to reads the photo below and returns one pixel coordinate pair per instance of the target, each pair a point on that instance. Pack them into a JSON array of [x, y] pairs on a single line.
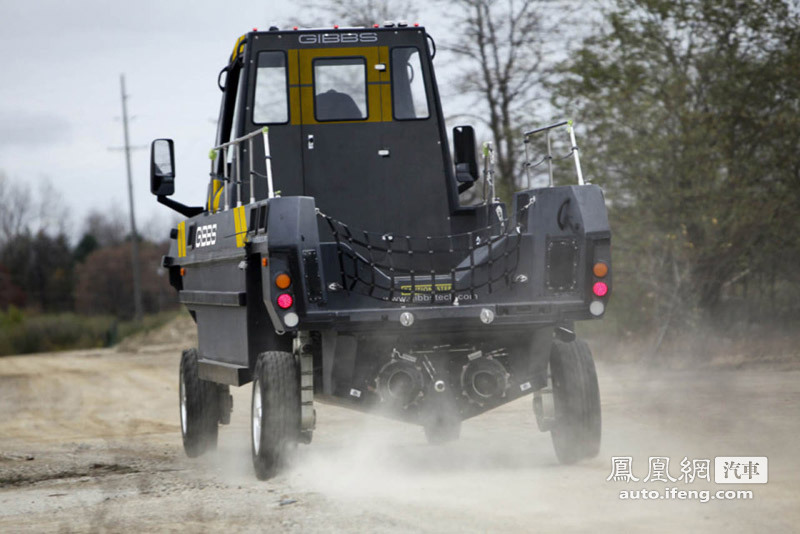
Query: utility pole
[[137, 280]]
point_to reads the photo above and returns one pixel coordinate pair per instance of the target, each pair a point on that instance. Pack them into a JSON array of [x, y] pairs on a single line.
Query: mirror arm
[[183, 209], [464, 186]]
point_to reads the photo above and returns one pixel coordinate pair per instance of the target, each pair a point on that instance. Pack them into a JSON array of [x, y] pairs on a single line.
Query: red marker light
[[376, 25], [600, 289], [416, 24], [255, 29], [285, 301], [295, 27], [335, 26]]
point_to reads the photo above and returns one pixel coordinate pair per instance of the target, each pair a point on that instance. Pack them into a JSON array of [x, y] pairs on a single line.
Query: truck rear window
[[271, 103], [340, 89], [409, 98]]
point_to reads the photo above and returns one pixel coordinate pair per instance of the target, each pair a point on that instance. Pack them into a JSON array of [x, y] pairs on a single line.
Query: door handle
[[311, 141]]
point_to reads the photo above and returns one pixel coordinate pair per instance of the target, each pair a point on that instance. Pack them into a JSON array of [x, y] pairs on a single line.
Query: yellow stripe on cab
[[240, 224], [182, 239]]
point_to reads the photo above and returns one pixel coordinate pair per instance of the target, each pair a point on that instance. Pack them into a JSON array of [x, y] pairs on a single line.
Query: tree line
[[691, 113], [41, 271]]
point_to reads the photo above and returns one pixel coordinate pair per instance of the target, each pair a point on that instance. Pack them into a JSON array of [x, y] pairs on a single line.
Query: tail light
[[285, 301], [283, 280], [600, 269], [600, 289]]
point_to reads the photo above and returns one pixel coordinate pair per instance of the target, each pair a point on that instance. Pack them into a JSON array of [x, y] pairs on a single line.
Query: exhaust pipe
[[400, 382], [484, 380]]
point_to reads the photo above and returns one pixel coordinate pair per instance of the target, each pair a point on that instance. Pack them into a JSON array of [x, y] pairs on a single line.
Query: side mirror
[[465, 157], [162, 167]]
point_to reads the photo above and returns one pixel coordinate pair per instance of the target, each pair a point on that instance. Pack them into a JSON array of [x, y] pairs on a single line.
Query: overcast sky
[[60, 106], [60, 97]]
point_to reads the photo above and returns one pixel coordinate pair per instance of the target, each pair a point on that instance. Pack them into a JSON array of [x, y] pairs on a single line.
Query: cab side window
[[271, 102], [340, 89]]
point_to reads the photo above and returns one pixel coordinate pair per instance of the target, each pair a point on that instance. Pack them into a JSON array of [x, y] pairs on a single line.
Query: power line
[[137, 280]]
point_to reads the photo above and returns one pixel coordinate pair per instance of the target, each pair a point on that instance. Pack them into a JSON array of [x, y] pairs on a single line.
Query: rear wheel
[[199, 408], [576, 398], [275, 426]]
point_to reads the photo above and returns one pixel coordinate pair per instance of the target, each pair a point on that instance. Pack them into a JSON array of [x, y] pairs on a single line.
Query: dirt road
[[91, 441]]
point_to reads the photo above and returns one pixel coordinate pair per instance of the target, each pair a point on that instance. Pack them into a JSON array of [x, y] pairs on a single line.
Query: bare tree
[[17, 212], [51, 214], [107, 229], [500, 50], [30, 210], [357, 12]]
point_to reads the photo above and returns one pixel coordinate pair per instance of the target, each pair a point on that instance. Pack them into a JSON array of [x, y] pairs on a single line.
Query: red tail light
[[285, 301], [600, 289]]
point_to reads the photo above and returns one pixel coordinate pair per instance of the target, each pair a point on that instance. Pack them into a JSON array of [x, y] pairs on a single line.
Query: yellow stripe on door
[[240, 224]]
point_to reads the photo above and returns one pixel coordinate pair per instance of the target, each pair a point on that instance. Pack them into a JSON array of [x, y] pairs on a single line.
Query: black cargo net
[[432, 269]]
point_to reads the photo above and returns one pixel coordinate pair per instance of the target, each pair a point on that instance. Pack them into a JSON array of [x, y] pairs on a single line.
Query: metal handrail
[[549, 156], [236, 144]]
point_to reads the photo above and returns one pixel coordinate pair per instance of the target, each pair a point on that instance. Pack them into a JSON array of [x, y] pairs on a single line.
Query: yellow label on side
[[182, 239], [424, 288], [240, 224]]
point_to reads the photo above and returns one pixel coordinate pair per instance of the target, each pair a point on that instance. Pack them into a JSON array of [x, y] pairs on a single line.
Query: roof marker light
[[335, 26], [295, 27]]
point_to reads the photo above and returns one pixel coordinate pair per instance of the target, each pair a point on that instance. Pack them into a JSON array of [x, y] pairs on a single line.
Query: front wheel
[[275, 411], [199, 408], [576, 398]]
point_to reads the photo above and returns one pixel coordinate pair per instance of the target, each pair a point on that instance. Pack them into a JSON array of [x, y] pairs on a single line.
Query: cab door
[[344, 93]]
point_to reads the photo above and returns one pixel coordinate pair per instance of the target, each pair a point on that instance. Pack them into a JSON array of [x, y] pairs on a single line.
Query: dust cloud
[[90, 440]]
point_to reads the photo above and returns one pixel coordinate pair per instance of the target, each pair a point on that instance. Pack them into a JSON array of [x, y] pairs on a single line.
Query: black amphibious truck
[[333, 260]]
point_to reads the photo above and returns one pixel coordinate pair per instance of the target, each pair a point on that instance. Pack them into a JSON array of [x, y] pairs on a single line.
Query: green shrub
[[22, 333]]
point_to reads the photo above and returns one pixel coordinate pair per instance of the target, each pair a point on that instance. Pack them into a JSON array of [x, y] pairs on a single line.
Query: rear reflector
[[291, 319]]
